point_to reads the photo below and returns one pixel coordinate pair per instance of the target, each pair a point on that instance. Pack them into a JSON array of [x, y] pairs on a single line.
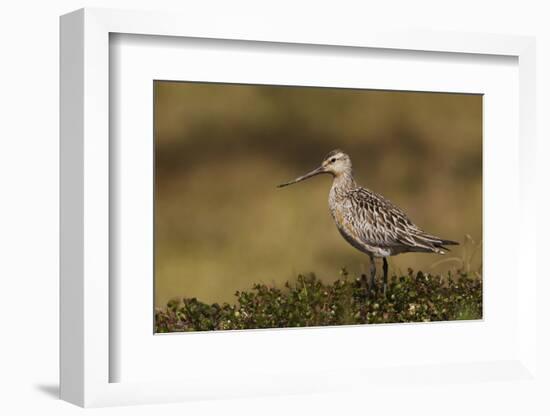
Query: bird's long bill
[[317, 171]]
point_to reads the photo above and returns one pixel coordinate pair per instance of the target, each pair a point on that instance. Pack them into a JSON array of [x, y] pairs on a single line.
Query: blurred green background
[[220, 150]]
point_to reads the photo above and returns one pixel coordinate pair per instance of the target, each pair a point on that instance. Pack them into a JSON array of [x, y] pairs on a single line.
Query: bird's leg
[[385, 269], [372, 272], [365, 285]]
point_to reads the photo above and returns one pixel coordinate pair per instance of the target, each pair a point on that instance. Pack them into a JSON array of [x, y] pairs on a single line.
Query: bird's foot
[[372, 284]]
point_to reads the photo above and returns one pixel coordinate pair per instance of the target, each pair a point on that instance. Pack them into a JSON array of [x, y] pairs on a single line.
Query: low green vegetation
[[415, 297]]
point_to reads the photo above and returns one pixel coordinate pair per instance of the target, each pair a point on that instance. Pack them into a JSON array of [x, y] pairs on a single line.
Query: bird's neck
[[344, 181]]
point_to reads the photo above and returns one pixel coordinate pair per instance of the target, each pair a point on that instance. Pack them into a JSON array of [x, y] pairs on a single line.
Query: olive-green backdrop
[[220, 150]]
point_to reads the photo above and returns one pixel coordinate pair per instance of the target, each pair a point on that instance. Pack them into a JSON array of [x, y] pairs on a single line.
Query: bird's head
[[335, 163]]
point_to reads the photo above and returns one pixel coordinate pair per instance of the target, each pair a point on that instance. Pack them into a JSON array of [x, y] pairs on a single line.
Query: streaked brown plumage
[[367, 220]]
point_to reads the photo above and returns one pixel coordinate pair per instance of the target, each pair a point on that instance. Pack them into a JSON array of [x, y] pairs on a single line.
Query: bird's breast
[[350, 228]]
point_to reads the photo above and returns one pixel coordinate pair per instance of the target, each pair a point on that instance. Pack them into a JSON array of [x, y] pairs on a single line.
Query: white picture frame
[[86, 301]]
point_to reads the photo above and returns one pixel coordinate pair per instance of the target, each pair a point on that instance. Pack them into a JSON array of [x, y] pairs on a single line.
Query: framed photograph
[[231, 243], [191, 269]]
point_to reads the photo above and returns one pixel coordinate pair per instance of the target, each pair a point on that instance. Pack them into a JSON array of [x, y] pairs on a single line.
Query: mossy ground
[[415, 297]]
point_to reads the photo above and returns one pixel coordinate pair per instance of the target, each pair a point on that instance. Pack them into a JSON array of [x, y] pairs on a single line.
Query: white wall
[[29, 182]]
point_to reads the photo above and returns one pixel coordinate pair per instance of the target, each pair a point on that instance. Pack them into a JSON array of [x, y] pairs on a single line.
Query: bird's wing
[[378, 222]]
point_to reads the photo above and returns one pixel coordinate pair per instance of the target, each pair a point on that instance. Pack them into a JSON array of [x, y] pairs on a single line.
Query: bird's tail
[[449, 243], [440, 246], [433, 243]]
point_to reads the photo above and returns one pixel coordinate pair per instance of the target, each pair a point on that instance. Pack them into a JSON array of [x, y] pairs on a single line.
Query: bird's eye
[[333, 160]]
